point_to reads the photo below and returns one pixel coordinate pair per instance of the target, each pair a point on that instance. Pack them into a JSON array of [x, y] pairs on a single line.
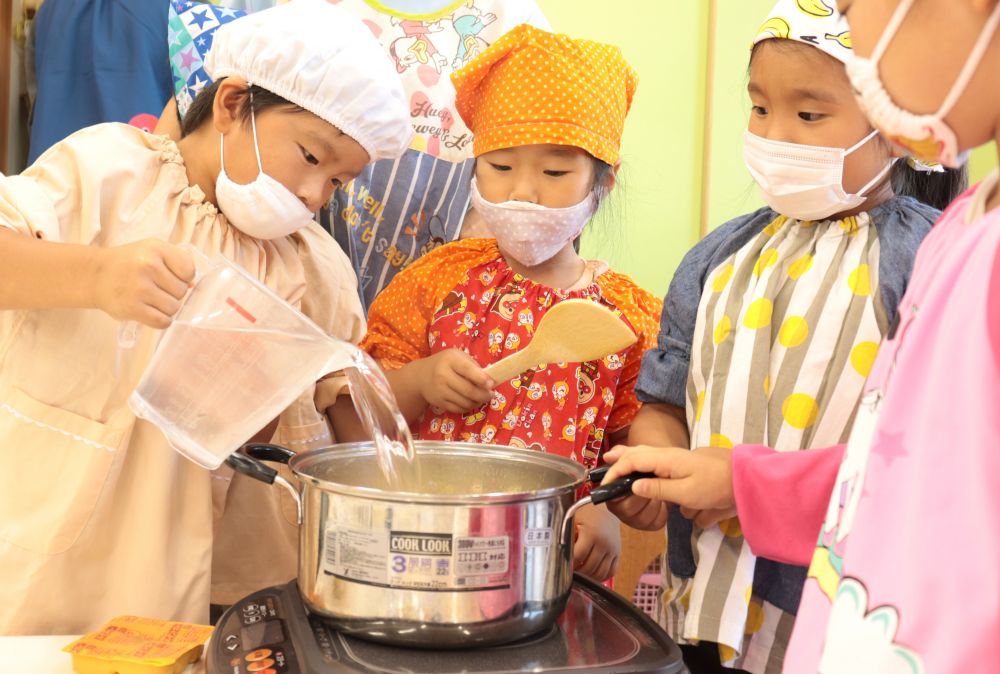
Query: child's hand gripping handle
[[128, 330], [601, 494], [617, 489]]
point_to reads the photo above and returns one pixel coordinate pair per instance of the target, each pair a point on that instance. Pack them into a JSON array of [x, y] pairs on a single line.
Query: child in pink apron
[[903, 554], [772, 321]]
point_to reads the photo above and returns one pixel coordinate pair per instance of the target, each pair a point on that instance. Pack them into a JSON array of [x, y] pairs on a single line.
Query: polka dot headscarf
[[532, 87]]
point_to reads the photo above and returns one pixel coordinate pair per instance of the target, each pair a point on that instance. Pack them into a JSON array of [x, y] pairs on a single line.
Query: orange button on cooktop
[[259, 654]]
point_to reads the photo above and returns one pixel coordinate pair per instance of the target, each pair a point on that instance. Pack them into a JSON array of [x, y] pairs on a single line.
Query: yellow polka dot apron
[[786, 332]]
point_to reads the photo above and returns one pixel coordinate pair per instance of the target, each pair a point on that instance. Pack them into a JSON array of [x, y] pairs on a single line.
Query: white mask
[[531, 233], [264, 209], [804, 182], [924, 137]]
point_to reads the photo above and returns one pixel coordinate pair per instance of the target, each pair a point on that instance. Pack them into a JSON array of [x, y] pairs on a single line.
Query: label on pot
[[356, 554], [481, 556], [434, 545], [420, 561], [538, 537]]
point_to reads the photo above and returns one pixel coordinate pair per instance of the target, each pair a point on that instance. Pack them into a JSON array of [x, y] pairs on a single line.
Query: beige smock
[[257, 536], [98, 515]]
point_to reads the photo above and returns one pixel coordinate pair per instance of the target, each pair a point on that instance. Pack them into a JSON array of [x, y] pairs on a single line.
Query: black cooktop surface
[[271, 632]]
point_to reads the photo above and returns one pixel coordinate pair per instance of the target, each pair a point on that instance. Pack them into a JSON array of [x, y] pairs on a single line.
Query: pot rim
[[575, 473]]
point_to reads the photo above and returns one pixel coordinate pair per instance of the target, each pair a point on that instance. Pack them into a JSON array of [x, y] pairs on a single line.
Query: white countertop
[[44, 655]]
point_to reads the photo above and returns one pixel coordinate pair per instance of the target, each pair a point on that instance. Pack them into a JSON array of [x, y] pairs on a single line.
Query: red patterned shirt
[[465, 296]]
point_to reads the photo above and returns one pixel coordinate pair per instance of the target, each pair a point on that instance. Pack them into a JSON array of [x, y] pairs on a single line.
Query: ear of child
[[229, 99]]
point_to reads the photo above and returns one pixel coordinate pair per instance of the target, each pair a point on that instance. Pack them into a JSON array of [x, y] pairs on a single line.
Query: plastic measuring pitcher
[[235, 356]]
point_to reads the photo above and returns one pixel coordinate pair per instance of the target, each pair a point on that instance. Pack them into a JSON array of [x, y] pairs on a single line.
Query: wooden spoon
[[573, 331]]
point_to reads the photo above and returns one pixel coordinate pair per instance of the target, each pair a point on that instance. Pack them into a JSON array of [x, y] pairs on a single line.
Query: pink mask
[[927, 138], [531, 233]]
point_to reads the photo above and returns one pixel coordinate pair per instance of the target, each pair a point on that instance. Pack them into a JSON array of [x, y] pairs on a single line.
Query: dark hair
[[201, 108], [936, 189], [611, 211], [603, 172]]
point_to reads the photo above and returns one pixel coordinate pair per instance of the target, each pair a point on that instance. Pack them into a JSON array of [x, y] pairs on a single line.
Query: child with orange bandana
[[547, 152]]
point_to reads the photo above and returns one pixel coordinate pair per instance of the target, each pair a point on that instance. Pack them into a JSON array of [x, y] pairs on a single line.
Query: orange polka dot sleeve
[[399, 318], [642, 310]]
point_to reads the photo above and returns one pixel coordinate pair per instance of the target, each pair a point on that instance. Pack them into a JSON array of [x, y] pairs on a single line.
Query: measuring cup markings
[[213, 349], [240, 310]]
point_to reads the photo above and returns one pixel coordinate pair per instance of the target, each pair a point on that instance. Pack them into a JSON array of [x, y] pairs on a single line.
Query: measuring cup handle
[[126, 334], [617, 489], [202, 264]]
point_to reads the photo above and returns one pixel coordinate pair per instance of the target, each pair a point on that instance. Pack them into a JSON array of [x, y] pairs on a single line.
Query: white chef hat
[[813, 22], [324, 59]]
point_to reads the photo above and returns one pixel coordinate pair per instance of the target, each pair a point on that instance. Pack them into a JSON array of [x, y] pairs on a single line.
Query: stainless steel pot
[[479, 554]]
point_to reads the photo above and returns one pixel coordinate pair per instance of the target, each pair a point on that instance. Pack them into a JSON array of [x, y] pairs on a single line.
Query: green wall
[[682, 164], [731, 190], [683, 171], [652, 219]]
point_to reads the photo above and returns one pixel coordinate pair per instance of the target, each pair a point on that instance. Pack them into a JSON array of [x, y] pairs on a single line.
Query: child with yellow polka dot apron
[[773, 321]]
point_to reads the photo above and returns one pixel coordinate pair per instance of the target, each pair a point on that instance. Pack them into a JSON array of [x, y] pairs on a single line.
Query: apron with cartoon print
[[562, 408]]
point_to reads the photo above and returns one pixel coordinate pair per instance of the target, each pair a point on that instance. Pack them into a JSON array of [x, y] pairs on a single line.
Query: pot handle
[[596, 475], [620, 487], [603, 493], [248, 462], [263, 451]]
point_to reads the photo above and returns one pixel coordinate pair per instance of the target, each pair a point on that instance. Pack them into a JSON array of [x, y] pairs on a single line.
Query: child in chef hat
[[98, 515]]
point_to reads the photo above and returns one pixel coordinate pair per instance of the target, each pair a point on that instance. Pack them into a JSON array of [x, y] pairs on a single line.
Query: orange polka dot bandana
[[533, 87]]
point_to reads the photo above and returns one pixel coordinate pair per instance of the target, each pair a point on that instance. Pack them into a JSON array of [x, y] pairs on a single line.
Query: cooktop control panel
[[253, 639]]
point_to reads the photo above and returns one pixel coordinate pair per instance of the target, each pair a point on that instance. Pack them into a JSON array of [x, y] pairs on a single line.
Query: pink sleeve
[[993, 308], [782, 497]]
